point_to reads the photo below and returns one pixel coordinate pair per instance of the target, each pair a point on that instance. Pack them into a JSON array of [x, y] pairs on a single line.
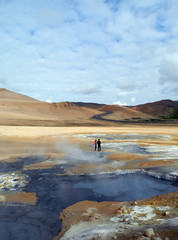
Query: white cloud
[[133, 100], [123, 93], [48, 100], [50, 17], [120, 103], [101, 48], [127, 85], [169, 74], [90, 89], [169, 68]]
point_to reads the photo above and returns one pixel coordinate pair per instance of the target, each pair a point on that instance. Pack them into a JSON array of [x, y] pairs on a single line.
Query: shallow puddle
[[127, 147], [126, 187], [125, 136]]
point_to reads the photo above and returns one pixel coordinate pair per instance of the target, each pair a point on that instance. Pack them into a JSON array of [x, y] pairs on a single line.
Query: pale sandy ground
[[20, 197], [19, 141], [45, 141], [33, 132], [23, 141]]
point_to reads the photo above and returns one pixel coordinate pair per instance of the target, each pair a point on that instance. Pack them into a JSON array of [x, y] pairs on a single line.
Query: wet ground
[[20, 163], [55, 193], [56, 189], [124, 136]]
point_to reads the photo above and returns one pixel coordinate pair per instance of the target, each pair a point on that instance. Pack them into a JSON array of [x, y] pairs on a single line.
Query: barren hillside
[[159, 108], [121, 113], [17, 108]]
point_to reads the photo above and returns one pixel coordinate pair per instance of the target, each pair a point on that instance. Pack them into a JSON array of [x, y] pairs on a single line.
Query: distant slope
[[159, 108], [7, 95], [122, 113], [19, 109], [90, 105]]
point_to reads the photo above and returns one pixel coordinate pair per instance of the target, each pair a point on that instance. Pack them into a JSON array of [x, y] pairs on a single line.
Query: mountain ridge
[[158, 108], [16, 107], [9, 95]]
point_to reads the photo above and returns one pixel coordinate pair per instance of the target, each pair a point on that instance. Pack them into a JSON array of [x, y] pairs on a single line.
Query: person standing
[[99, 145], [95, 144]]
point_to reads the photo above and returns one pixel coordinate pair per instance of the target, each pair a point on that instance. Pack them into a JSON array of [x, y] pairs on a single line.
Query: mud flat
[[36, 205], [120, 193]]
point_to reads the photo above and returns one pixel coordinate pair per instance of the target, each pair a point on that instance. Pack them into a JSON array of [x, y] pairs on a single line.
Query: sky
[[105, 51]]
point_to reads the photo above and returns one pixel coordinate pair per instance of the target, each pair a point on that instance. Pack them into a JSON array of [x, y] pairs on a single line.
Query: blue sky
[[105, 51]]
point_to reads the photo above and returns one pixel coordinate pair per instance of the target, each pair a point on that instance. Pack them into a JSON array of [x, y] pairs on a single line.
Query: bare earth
[[20, 110], [128, 220]]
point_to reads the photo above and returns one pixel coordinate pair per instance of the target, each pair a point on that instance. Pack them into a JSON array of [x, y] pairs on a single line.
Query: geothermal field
[[74, 73], [54, 185]]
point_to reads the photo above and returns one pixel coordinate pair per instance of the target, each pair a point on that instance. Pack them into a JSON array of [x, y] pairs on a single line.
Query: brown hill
[[90, 105], [18, 109], [7, 95], [159, 108], [121, 113]]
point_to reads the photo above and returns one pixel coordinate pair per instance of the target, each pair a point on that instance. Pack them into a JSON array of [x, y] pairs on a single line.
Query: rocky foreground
[[155, 218], [41, 167]]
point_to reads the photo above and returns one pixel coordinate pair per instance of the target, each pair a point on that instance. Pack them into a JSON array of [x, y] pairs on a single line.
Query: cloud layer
[[93, 50]]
